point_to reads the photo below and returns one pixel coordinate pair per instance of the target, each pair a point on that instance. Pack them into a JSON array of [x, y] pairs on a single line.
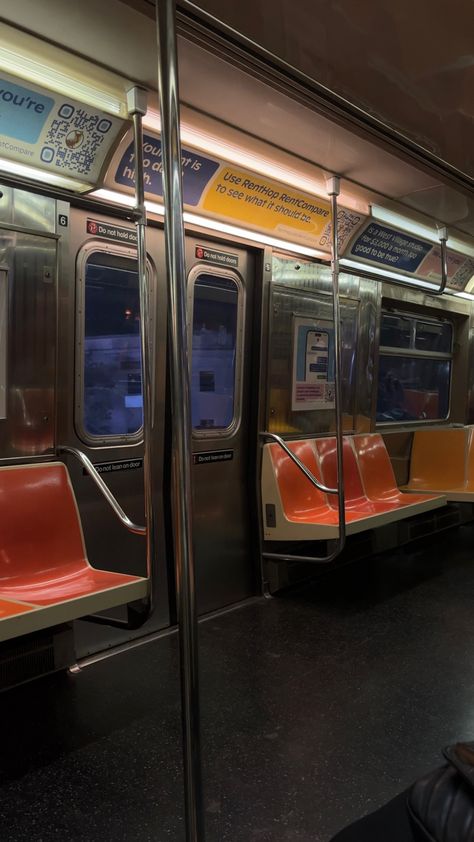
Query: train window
[[414, 379], [216, 325], [3, 342], [111, 405], [395, 331], [432, 336]]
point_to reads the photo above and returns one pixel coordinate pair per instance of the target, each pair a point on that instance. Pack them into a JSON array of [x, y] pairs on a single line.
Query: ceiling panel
[[410, 64], [123, 39]]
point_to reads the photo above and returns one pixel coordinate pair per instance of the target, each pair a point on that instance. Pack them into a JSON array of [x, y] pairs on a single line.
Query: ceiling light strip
[[419, 229], [236, 155], [48, 76], [51, 179]]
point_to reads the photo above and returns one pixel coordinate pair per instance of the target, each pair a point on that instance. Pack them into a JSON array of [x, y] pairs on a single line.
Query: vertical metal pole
[[180, 396], [137, 106], [443, 238], [332, 186]]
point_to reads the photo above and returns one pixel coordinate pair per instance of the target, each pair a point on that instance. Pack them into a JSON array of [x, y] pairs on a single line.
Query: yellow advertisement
[[268, 205], [229, 192]]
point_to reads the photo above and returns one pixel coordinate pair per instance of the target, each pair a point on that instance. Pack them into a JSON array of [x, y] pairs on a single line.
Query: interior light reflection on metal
[[181, 416], [136, 101], [333, 192]]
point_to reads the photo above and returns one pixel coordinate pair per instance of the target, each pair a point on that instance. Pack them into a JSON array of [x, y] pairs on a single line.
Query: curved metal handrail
[[441, 289], [299, 463], [342, 532], [103, 488], [443, 239]]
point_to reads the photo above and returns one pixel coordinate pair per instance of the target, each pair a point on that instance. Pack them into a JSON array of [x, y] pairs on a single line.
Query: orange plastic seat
[[43, 560], [377, 473], [356, 499], [354, 493], [301, 500], [301, 511], [440, 463], [12, 609], [293, 509]]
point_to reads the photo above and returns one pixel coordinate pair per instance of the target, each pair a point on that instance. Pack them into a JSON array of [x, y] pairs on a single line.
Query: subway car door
[[99, 396], [220, 308]]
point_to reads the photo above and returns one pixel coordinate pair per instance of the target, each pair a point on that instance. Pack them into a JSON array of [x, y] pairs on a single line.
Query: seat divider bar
[[103, 488], [299, 463]]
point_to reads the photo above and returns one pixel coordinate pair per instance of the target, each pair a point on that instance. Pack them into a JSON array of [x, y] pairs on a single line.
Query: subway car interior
[[236, 421]]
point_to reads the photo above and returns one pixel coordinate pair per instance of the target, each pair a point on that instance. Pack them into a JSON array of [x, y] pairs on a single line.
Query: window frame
[[415, 353], [84, 254], [228, 274]]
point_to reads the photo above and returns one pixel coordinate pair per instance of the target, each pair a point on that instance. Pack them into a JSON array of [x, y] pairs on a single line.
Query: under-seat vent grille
[[450, 517], [25, 659]]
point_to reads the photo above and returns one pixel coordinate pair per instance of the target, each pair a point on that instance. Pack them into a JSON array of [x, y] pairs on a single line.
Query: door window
[[111, 405], [215, 358]]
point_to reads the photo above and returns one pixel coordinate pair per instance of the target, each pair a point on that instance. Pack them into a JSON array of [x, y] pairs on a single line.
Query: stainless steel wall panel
[[23, 209], [6, 205], [304, 274], [30, 262], [284, 305], [470, 373]]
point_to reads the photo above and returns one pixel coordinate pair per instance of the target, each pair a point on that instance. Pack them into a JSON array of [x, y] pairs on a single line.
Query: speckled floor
[[317, 707]]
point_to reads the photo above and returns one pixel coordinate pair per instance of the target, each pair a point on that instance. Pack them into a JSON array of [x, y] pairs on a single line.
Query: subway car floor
[[317, 707]]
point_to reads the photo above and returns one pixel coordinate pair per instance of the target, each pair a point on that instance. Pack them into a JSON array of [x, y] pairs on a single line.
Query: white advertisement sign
[[313, 364]]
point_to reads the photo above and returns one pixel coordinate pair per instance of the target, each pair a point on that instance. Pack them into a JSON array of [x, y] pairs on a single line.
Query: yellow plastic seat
[[379, 479], [439, 463]]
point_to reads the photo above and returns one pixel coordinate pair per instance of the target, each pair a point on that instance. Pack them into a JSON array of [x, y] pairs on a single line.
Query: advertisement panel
[[313, 364], [54, 133]]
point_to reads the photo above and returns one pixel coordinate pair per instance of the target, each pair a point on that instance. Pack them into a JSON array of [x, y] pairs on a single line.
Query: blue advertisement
[[23, 112], [315, 354], [390, 248], [313, 364], [42, 129], [197, 170]]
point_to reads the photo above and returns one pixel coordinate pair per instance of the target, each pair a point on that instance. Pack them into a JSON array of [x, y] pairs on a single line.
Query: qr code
[[347, 222], [74, 139]]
